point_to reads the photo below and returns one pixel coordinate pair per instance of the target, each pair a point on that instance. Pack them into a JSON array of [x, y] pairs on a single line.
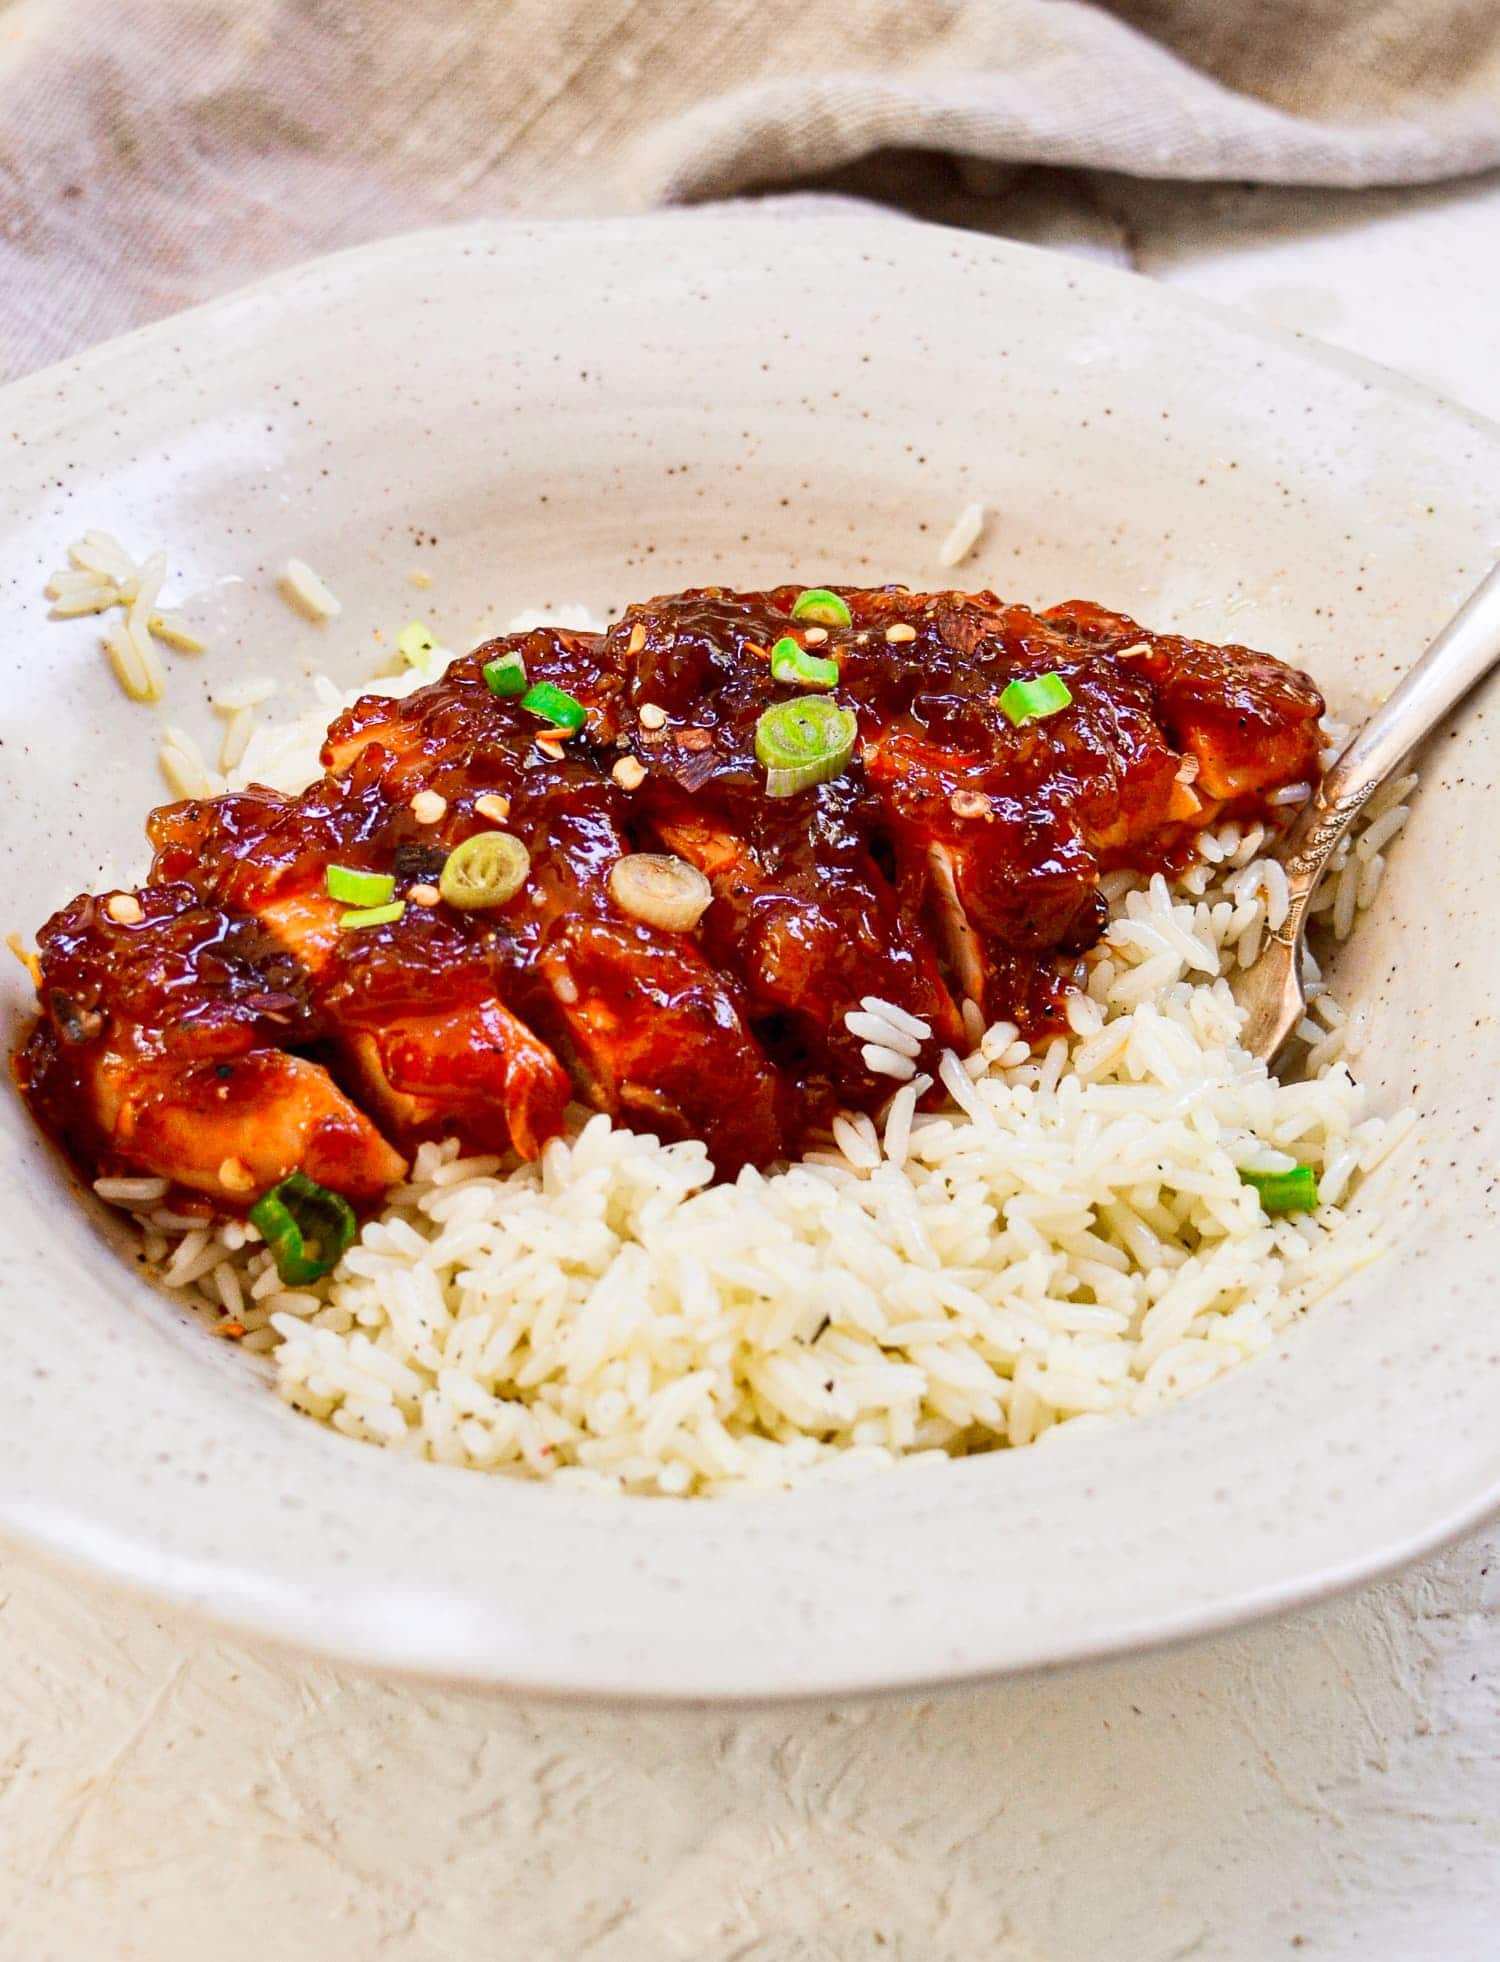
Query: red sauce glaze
[[956, 855], [990, 838]]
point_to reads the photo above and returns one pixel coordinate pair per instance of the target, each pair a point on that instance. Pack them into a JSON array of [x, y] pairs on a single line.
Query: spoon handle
[[1457, 661]]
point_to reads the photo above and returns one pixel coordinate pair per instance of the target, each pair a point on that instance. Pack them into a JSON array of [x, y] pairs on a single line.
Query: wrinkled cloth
[[153, 152]]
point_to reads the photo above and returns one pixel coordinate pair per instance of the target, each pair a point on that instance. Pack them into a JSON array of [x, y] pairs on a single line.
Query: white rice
[[1068, 1243], [1357, 866], [248, 694], [899, 1019], [880, 1061], [964, 536], [131, 1192], [182, 764], [307, 592], [1072, 1240], [100, 577], [239, 725], [134, 675]]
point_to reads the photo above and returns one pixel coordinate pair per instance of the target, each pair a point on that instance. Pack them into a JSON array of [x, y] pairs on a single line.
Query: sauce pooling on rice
[[864, 794]]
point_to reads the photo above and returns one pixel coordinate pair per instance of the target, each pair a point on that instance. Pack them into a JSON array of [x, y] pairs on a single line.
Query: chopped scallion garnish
[[1295, 1191], [352, 888], [555, 705], [485, 870], [371, 916], [415, 644], [662, 890], [803, 743], [297, 1215], [817, 603], [505, 675], [792, 662], [1029, 701]]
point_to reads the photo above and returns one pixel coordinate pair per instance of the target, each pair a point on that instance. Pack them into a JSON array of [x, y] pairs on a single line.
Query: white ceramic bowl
[[600, 412]]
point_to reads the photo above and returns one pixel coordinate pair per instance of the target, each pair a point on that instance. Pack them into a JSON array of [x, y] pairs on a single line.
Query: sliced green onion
[[485, 870], [803, 743], [661, 890], [353, 888], [1295, 1191], [817, 603], [298, 1215], [505, 675], [1029, 701], [555, 705], [414, 643], [368, 916], [790, 662]]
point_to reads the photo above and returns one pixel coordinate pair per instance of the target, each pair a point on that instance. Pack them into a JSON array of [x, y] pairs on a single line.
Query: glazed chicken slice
[[160, 1050], [996, 834], [1011, 826], [648, 1026], [804, 914], [1248, 720], [807, 922], [239, 1018], [408, 1009]]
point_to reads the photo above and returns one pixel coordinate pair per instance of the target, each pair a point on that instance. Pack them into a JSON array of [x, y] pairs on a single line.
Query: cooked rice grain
[[307, 592], [102, 576], [964, 536], [184, 767]]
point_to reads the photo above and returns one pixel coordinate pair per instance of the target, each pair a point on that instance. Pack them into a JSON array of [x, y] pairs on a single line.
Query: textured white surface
[[164, 1794], [1329, 1785]]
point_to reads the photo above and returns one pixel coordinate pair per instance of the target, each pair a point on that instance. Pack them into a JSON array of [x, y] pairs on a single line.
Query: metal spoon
[[1456, 662]]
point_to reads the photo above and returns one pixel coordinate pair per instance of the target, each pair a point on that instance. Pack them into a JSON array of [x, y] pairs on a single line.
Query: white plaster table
[[1327, 1786]]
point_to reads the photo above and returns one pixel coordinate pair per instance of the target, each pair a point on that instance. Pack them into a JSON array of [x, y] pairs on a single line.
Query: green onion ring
[[368, 916], [792, 662], [804, 742], [817, 603], [555, 705], [295, 1212], [488, 869]]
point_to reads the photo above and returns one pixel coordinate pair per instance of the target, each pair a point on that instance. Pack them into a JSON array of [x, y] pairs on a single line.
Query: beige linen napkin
[[155, 151]]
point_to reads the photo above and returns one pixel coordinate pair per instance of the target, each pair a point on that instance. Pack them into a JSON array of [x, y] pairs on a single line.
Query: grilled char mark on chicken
[[239, 1029]]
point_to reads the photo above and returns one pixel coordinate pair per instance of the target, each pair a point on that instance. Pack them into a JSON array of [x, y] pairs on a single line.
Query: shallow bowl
[[593, 413]]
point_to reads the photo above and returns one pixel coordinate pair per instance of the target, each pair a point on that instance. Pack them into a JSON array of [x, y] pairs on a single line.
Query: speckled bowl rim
[[387, 1626]]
